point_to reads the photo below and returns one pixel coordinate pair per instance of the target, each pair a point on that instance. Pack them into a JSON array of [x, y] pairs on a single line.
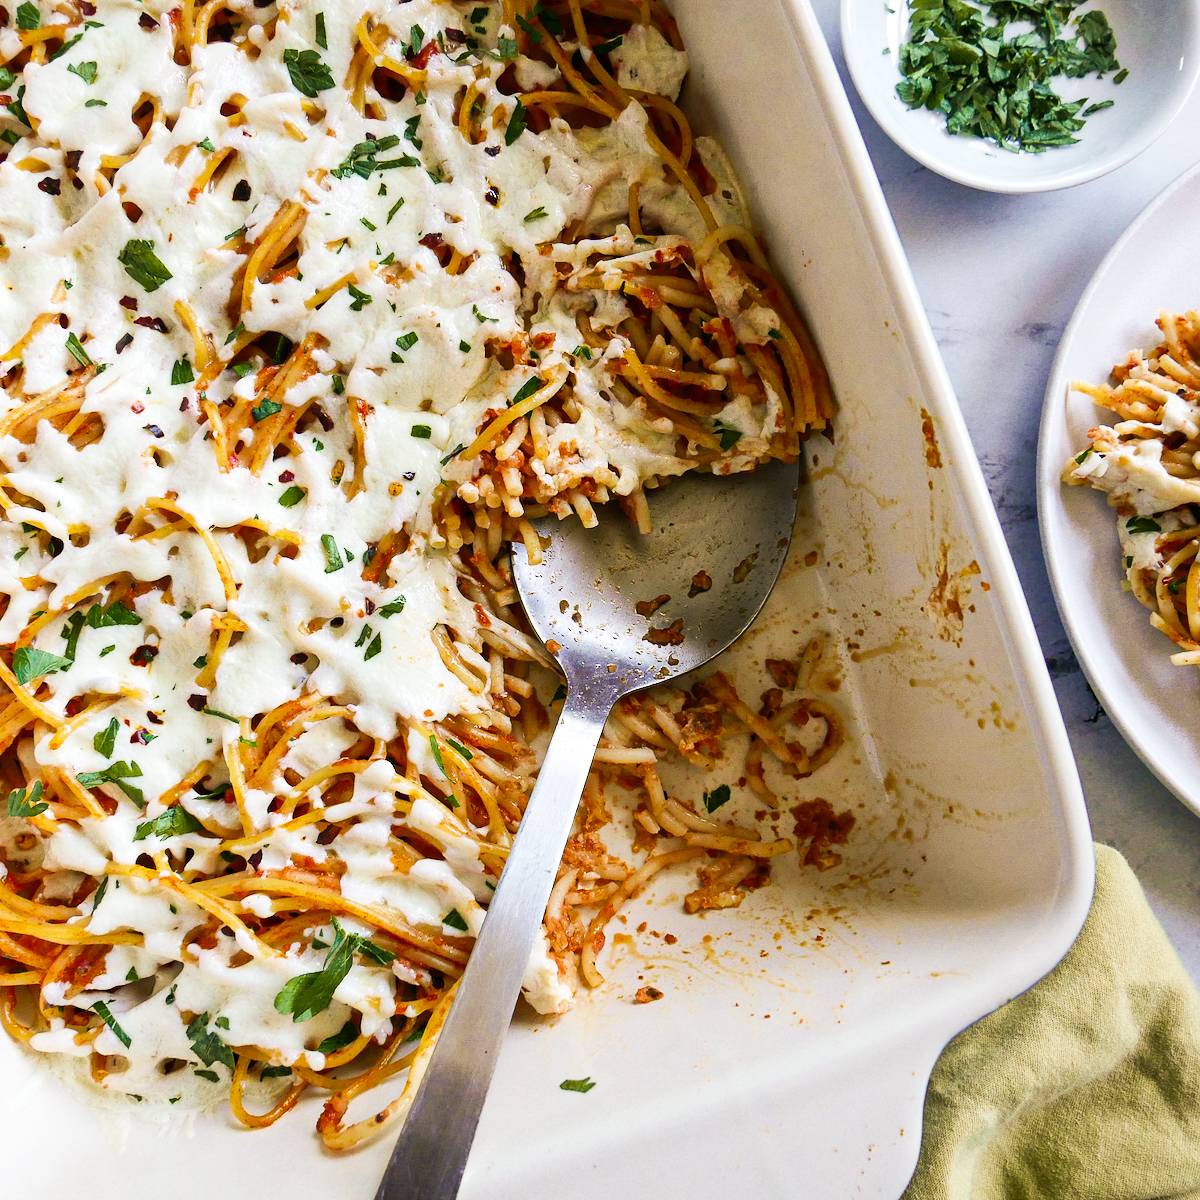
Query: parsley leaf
[[28, 16], [77, 352], [578, 1085], [333, 559], [455, 920], [516, 124], [206, 1045], [340, 1040], [99, 617], [173, 822], [308, 994], [30, 663], [527, 389], [116, 773], [309, 75], [142, 265], [267, 408], [182, 372], [392, 609], [24, 802], [718, 796], [729, 437], [1142, 525], [85, 70], [105, 742], [102, 1011]]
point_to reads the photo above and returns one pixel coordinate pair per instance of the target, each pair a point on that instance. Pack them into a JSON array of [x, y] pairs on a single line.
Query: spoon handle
[[430, 1155]]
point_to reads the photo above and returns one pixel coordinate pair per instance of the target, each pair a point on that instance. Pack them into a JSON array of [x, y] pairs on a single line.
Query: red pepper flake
[[128, 302], [197, 701], [50, 185], [155, 323], [147, 22], [123, 344], [287, 476], [144, 655]]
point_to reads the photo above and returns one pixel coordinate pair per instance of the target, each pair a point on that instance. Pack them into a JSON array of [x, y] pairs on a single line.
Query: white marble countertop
[[1000, 276]]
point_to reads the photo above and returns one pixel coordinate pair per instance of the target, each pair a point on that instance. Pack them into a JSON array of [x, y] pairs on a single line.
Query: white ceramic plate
[[1157, 40], [1154, 704], [793, 1046]]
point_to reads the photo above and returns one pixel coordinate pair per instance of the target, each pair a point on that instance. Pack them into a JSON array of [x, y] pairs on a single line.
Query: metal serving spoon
[[715, 553]]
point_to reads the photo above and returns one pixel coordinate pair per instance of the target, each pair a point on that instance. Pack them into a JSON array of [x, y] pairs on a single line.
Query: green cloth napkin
[[1087, 1087]]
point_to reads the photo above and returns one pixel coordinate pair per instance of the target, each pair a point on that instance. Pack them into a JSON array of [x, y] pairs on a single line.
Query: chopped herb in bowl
[[989, 67]]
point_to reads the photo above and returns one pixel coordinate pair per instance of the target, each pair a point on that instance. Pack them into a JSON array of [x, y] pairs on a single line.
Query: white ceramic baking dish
[[790, 1053]]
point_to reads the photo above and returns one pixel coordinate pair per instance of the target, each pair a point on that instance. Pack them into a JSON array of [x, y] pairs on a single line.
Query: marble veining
[[1000, 276]]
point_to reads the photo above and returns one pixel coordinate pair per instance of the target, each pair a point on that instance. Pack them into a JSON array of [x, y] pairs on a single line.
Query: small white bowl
[[1157, 40]]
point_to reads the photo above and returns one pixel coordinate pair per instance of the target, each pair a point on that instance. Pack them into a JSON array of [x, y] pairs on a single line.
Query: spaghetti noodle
[[1147, 464], [306, 310]]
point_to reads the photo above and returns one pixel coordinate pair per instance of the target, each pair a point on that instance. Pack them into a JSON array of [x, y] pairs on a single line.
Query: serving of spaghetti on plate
[[305, 310]]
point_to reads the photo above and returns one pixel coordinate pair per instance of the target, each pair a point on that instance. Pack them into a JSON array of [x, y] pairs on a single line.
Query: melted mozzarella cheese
[[400, 360]]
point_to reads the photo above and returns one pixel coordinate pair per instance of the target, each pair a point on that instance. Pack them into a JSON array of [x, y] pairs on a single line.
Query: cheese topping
[[304, 307]]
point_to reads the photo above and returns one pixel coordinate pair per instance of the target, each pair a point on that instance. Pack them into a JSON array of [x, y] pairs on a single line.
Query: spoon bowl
[[623, 610], [618, 611]]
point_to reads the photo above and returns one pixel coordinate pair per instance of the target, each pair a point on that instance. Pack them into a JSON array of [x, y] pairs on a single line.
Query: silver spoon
[[716, 551]]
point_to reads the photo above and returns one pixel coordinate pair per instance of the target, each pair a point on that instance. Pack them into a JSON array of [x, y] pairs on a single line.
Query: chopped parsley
[[452, 454], [311, 993], [527, 389], [321, 38], [267, 408], [516, 124], [393, 608], [116, 773], [363, 159], [1142, 525], [335, 1041], [455, 920], [421, 431], [359, 298], [718, 796], [77, 352], [102, 1011], [578, 1085], [174, 822], [206, 144], [206, 1045], [182, 372], [85, 70], [105, 742], [309, 75], [333, 559], [24, 802], [373, 649], [961, 61], [142, 265], [30, 663], [728, 436], [437, 755], [535, 214], [28, 16], [406, 341], [99, 617]]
